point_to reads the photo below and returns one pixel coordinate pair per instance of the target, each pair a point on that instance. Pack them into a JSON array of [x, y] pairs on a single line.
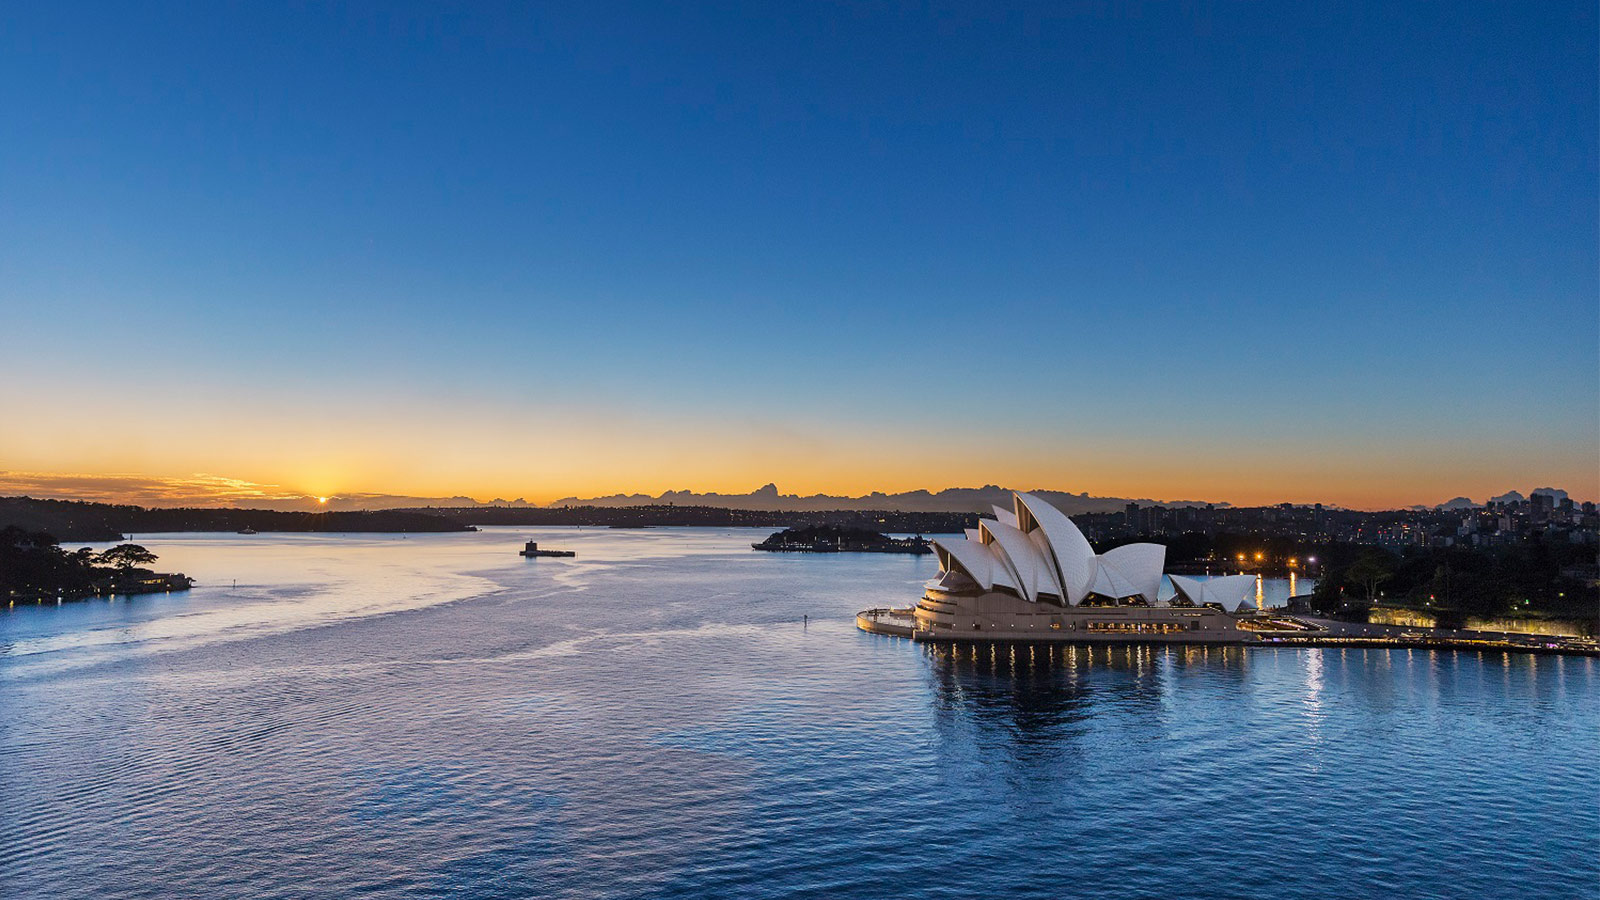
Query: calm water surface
[[434, 716]]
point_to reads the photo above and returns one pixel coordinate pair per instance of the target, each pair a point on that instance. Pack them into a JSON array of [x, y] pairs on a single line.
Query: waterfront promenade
[[899, 622], [1334, 633]]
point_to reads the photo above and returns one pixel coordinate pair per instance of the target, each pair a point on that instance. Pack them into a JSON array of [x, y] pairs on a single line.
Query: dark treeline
[[835, 538], [1538, 576], [887, 521], [71, 520]]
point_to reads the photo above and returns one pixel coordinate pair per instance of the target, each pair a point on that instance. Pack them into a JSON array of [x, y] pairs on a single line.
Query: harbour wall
[[1548, 627]]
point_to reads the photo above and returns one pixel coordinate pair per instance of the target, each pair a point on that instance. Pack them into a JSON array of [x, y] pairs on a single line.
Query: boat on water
[[1029, 574], [531, 550], [247, 530]]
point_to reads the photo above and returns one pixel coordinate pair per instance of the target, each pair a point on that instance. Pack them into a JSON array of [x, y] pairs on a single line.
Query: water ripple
[[656, 721]]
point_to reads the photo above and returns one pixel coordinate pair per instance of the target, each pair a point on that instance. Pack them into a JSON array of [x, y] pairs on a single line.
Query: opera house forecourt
[[1030, 574]]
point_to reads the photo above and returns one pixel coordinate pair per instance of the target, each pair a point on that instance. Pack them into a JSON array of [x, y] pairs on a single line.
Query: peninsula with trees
[[34, 567]]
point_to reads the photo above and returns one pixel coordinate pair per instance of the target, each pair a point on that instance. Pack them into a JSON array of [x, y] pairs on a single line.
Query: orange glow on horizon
[[346, 452], [217, 491]]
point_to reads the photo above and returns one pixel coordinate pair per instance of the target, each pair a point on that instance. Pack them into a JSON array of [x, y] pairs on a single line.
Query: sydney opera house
[[1030, 574]]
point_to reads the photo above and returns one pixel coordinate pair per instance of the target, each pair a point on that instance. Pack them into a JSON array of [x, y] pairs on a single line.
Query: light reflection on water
[[434, 716]]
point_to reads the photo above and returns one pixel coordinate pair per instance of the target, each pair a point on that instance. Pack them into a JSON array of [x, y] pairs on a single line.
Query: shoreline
[[873, 621], [156, 583], [1550, 648]]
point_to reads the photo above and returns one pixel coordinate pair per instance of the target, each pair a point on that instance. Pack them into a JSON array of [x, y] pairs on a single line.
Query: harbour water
[[671, 714]]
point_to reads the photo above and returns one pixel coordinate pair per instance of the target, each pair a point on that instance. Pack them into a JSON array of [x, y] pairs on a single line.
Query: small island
[[35, 568], [840, 539]]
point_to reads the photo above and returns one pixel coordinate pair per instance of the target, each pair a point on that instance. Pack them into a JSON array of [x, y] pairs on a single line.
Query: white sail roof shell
[[977, 560], [1042, 544], [1001, 514], [1108, 582], [1188, 588], [1238, 593], [1074, 559], [1232, 590], [1229, 592], [1034, 572], [1140, 564]]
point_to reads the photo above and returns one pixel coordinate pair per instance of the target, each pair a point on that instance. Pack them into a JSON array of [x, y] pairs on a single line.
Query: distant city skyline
[[1252, 253]]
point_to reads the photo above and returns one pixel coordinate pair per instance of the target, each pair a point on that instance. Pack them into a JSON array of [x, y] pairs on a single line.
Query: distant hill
[[1555, 494], [964, 500]]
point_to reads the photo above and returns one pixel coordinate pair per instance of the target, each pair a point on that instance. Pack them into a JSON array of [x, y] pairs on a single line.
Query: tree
[[1370, 570], [124, 557]]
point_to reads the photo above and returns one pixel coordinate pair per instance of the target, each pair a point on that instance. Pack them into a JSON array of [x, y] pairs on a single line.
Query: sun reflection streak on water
[[320, 584]]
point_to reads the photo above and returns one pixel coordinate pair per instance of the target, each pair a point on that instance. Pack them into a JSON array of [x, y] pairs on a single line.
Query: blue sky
[[1353, 245]]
